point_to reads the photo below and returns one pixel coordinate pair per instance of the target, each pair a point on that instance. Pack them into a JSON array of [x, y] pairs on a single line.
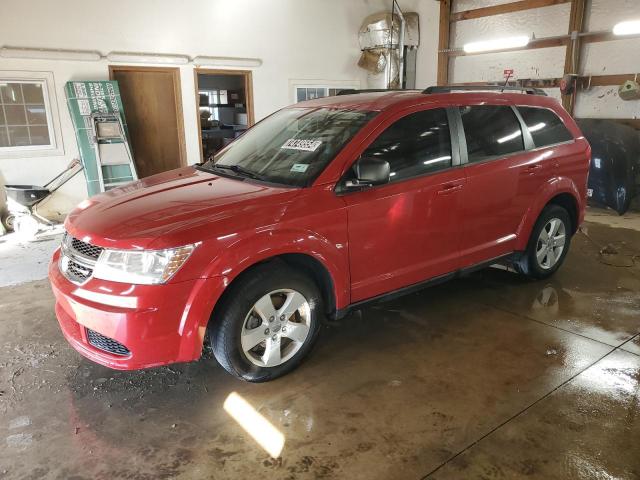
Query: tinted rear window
[[491, 131], [545, 126]]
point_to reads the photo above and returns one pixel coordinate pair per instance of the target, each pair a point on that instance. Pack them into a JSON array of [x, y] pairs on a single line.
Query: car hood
[[176, 208]]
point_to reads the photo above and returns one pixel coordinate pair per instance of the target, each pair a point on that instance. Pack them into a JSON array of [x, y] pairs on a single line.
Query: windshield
[[292, 146]]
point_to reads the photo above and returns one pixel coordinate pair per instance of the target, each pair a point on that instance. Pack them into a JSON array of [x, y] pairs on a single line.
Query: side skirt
[[507, 260]]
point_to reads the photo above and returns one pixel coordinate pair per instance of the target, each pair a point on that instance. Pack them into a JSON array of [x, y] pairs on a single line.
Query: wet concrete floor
[[491, 376]]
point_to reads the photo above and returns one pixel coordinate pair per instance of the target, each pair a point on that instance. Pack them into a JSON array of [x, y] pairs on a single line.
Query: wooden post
[[443, 42], [572, 55]]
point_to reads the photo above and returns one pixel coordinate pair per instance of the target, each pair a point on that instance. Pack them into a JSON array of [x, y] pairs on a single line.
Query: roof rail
[[480, 88], [353, 91]]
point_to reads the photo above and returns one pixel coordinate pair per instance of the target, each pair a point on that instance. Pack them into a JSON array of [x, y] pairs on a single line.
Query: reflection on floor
[[490, 376]]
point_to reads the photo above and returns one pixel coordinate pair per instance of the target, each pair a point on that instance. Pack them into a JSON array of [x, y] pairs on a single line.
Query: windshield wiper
[[237, 169]]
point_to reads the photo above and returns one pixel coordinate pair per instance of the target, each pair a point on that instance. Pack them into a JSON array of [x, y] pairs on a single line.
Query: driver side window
[[414, 145]]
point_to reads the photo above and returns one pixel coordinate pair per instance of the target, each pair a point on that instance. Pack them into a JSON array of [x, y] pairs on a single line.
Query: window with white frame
[[25, 116], [214, 98], [306, 92]]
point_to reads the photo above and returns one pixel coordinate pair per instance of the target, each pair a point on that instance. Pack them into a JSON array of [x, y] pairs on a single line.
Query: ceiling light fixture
[[147, 58], [50, 54], [497, 44], [630, 27]]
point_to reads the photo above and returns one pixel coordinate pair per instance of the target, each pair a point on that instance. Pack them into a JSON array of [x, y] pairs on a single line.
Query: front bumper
[[158, 324]]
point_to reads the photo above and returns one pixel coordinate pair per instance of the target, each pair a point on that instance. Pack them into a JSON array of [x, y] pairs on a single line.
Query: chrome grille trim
[[78, 259]]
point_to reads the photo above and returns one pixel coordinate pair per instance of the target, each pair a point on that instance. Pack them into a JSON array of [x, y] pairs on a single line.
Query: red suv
[[318, 209]]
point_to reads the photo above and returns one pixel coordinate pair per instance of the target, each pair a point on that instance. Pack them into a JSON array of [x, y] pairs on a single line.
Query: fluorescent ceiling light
[[630, 27], [50, 54], [497, 44], [437, 160], [537, 126], [227, 61], [147, 58], [511, 136]]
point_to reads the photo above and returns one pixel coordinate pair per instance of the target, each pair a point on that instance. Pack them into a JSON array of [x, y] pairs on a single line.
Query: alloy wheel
[[551, 243], [276, 327]]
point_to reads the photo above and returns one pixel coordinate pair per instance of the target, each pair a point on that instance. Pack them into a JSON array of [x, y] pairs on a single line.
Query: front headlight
[[145, 267]]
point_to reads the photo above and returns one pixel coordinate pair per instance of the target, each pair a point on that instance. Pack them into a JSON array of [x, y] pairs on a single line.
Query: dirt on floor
[[490, 376]]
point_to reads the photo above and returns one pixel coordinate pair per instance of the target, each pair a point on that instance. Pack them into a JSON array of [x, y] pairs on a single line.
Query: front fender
[[554, 187], [266, 244]]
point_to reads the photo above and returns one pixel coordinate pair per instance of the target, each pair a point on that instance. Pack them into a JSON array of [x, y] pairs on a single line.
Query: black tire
[[228, 321], [8, 221], [528, 264]]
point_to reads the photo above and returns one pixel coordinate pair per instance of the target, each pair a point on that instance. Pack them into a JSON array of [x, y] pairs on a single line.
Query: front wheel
[[267, 323], [549, 243]]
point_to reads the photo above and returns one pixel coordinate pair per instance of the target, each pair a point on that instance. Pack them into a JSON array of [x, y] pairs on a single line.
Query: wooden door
[[153, 110]]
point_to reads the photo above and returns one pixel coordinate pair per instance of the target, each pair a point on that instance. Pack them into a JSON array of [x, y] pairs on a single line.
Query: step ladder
[[113, 155]]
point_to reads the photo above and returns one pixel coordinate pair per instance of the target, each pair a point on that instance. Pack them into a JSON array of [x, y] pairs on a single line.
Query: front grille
[[78, 259], [106, 344], [77, 273], [86, 249]]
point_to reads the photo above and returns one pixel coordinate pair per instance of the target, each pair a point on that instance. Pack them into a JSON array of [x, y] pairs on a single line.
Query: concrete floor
[[491, 377]]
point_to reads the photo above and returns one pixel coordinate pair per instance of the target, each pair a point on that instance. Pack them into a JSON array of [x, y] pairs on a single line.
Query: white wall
[[606, 58], [296, 39]]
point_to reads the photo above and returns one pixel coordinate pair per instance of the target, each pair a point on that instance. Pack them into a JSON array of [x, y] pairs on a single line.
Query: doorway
[[153, 108], [225, 107]]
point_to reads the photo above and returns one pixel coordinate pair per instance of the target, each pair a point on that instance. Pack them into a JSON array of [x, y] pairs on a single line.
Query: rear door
[[503, 177], [406, 231]]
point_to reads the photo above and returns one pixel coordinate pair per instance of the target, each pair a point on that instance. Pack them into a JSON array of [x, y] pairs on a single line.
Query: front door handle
[[450, 188]]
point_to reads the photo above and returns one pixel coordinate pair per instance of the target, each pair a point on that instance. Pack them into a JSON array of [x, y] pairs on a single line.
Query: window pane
[[18, 136], [32, 93], [416, 144], [545, 126], [23, 115], [491, 131], [15, 115], [301, 94], [11, 93], [36, 115], [223, 97], [39, 135]]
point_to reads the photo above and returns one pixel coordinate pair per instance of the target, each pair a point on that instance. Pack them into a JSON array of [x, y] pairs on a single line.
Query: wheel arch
[[303, 262], [570, 204], [560, 191]]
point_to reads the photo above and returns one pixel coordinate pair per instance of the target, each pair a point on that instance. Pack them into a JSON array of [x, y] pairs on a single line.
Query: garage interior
[[488, 376]]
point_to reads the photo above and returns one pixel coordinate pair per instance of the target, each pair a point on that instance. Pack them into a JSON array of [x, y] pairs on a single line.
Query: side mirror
[[370, 171]]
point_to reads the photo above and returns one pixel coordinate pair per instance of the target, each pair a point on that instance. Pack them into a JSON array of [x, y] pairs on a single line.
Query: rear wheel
[[267, 323], [549, 243]]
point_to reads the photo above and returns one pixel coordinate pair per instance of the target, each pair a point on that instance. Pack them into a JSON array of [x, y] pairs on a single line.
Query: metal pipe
[[400, 43]]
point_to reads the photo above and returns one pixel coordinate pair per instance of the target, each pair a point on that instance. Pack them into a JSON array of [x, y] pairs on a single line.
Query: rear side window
[[545, 126], [414, 145], [491, 131]]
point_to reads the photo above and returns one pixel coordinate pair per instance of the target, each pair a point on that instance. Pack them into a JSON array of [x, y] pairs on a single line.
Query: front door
[[406, 231], [152, 107]]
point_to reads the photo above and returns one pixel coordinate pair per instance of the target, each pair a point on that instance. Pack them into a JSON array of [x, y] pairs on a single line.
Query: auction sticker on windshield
[[299, 144]]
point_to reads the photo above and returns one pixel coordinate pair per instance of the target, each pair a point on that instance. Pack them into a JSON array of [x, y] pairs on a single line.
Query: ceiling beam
[[584, 82], [504, 8], [443, 42]]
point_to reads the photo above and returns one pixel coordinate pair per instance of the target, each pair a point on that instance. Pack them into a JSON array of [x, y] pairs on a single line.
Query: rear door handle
[[450, 188]]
